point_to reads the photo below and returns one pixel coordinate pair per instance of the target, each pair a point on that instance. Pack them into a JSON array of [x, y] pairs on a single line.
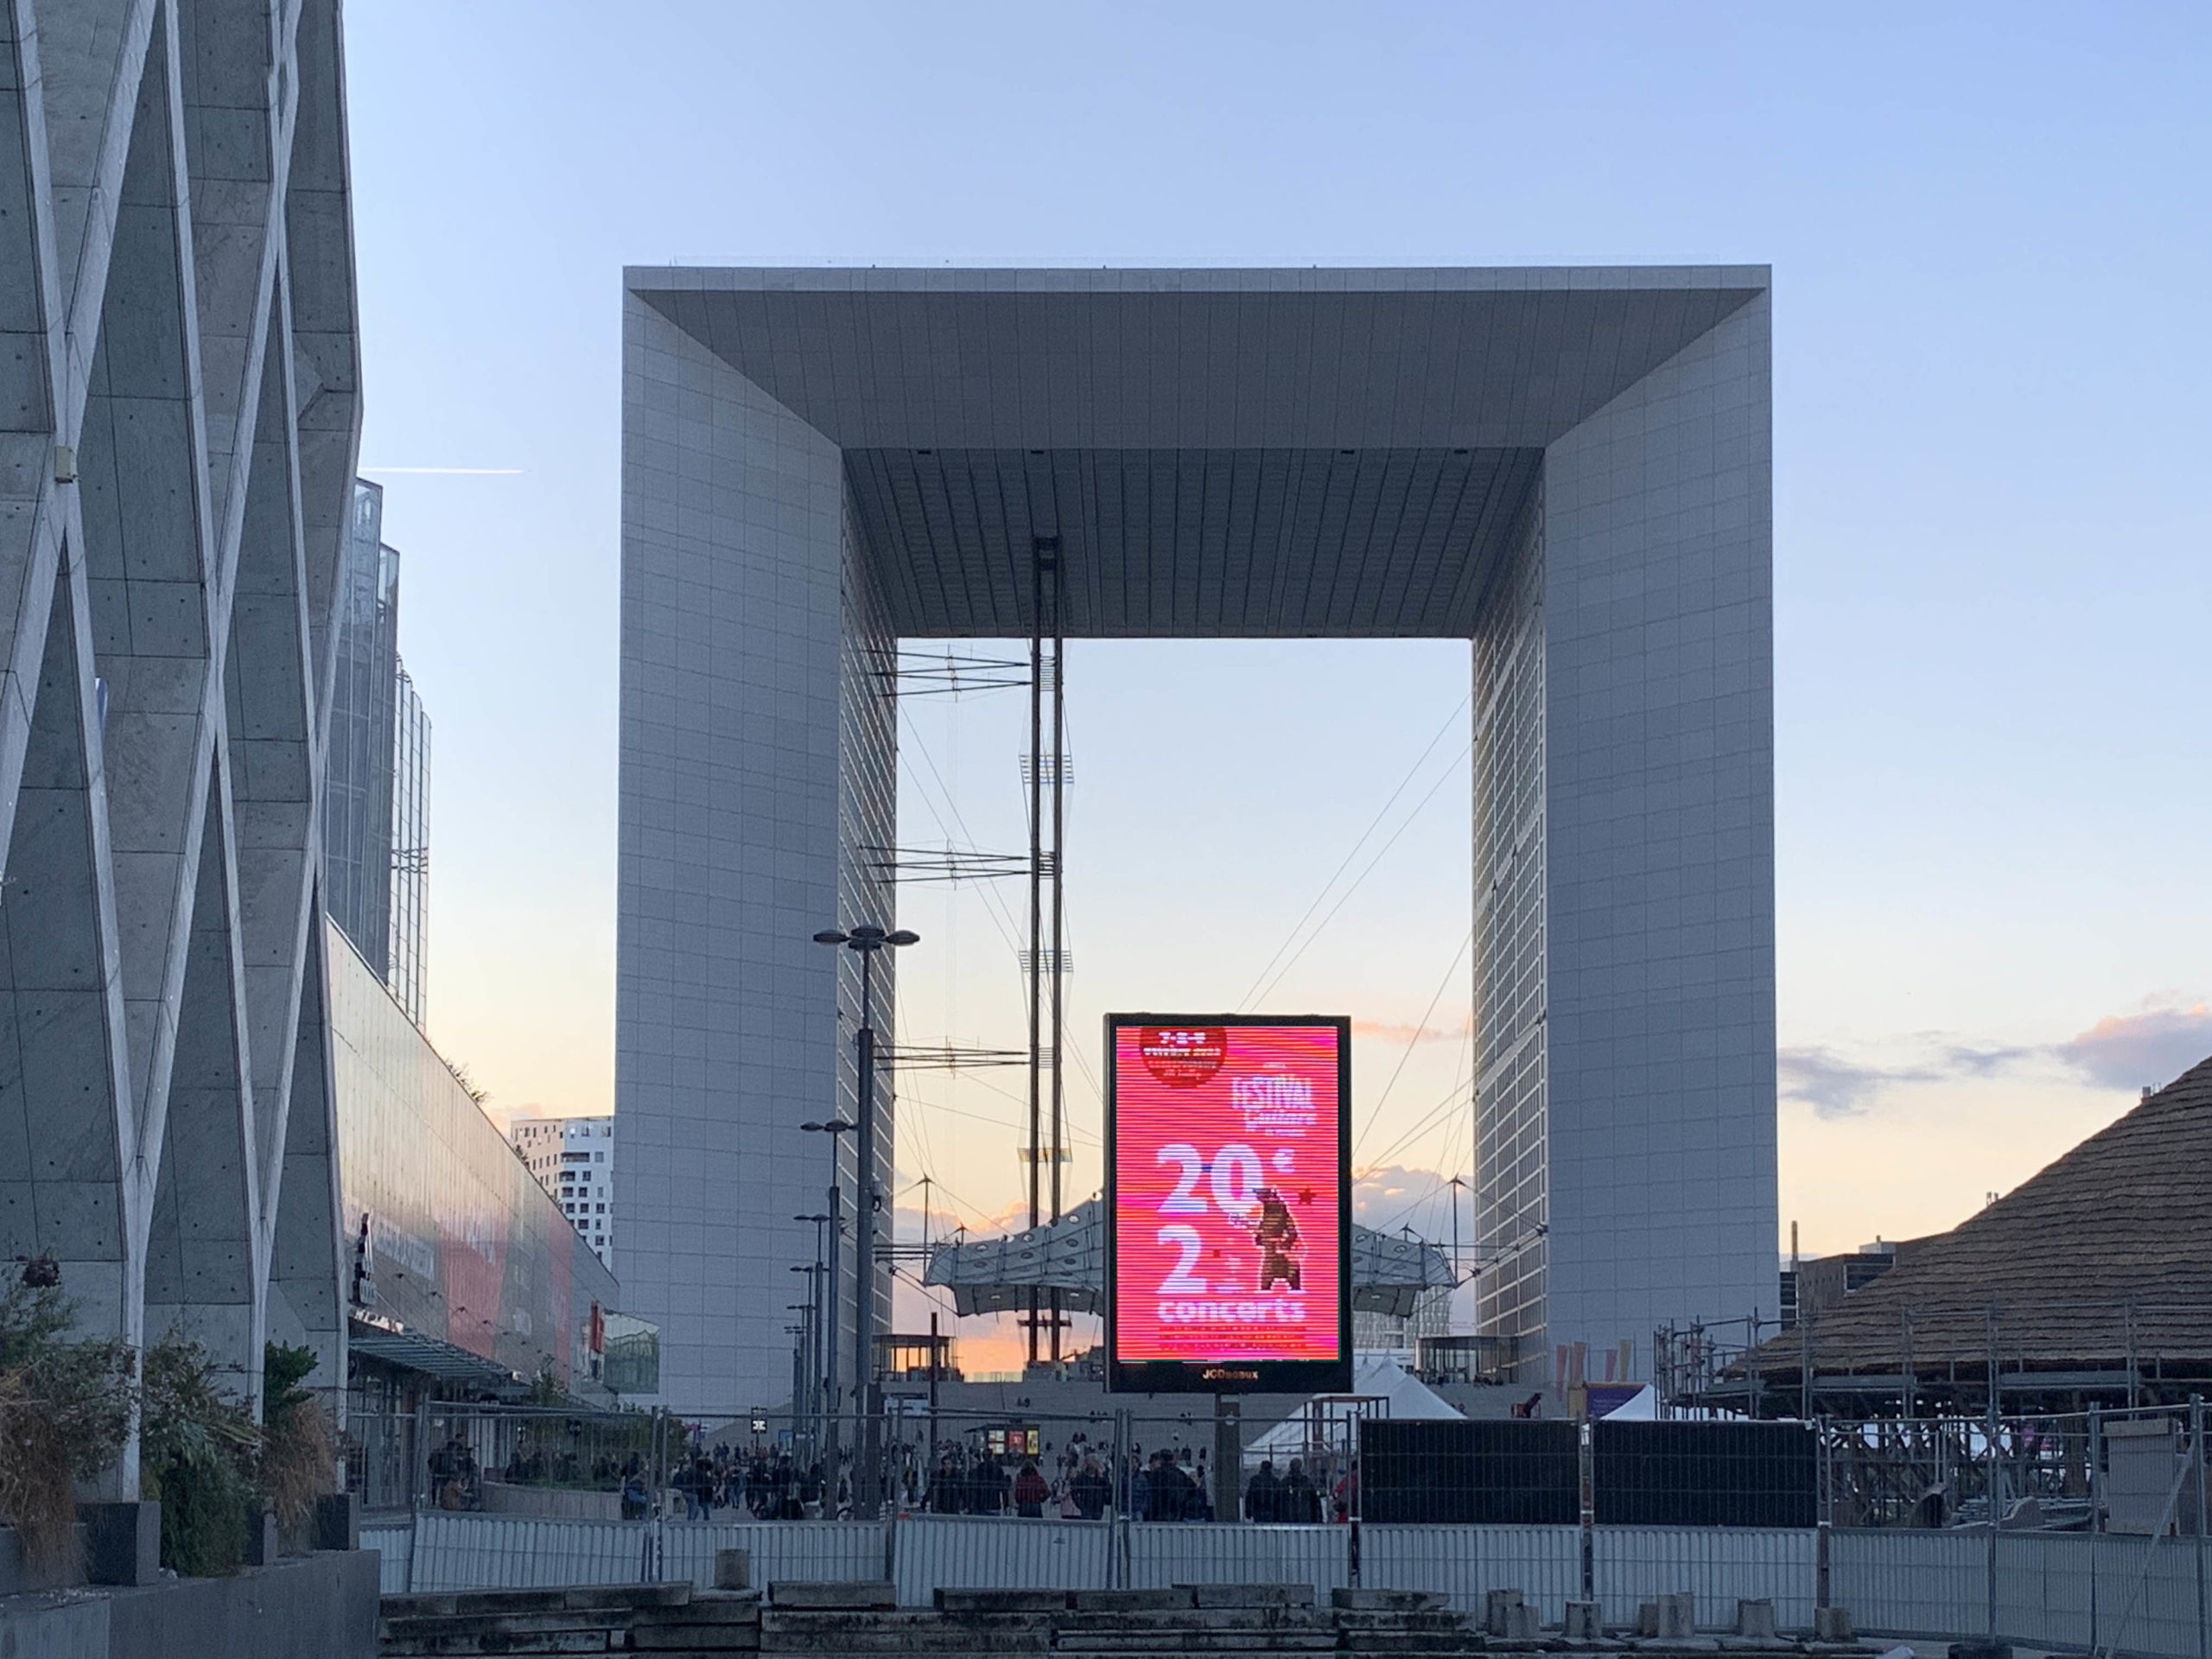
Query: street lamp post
[[816, 1367], [867, 939]]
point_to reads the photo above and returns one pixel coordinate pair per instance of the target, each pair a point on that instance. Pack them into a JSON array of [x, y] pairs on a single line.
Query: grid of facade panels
[[1508, 833], [357, 794], [1659, 823], [733, 761], [867, 763], [407, 957]]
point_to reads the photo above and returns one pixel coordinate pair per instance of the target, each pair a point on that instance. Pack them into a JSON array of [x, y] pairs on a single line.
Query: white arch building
[[1569, 468]]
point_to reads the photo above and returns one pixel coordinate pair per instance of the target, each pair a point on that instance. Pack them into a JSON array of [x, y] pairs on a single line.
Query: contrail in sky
[[464, 472]]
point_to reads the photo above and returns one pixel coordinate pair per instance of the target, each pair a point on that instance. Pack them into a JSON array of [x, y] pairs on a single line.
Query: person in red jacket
[[1030, 1491]]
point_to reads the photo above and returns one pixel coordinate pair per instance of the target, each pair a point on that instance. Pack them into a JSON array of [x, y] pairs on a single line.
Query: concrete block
[[1584, 1622], [1498, 1606], [1832, 1625], [1506, 1614], [1386, 1601], [1755, 1617], [833, 1595], [1134, 1601], [1249, 1595], [733, 1569], [710, 1607], [954, 1600], [123, 1542], [1973, 1650], [673, 1594], [262, 1547], [338, 1521]]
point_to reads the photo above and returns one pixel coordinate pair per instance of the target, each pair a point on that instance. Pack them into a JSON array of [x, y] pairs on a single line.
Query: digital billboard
[[1227, 1202]]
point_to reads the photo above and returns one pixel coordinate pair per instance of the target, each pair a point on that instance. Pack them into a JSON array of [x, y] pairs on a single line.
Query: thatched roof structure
[[2100, 1264]]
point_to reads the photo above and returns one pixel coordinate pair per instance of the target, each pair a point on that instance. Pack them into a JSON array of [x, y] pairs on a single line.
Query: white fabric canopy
[[1375, 1376]]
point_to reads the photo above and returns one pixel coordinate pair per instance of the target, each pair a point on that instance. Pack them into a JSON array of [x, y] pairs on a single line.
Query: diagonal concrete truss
[[180, 414]]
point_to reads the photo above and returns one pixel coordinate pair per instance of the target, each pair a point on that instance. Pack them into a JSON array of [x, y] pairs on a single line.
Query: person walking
[[1089, 1487], [1300, 1502], [1264, 1495]]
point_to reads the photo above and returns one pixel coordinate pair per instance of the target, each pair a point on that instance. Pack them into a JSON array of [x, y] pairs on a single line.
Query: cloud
[[2124, 1051], [2133, 1051], [1389, 1033], [1396, 1195], [1834, 1086]]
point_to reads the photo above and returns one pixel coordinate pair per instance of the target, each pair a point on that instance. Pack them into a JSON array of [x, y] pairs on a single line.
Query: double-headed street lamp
[[867, 939]]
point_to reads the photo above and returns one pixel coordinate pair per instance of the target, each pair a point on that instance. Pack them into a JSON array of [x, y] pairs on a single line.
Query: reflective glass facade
[[357, 799], [464, 1246], [410, 846]]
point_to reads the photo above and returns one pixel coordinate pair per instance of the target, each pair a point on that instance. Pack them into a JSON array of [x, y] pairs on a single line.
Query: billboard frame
[[1231, 1377]]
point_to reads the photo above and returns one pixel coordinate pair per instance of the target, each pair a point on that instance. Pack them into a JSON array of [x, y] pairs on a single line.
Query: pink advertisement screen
[[1228, 1162]]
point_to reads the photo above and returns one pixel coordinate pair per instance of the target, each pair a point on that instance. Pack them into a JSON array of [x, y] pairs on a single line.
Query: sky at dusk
[[1990, 229]]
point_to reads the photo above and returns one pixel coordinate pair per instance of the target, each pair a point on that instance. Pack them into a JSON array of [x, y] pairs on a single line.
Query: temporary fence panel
[[393, 1546], [1899, 1582], [1717, 1566], [2102, 1590], [776, 1550], [483, 1552], [1543, 1563], [2141, 1591], [1164, 1553], [995, 1553], [2046, 1586]]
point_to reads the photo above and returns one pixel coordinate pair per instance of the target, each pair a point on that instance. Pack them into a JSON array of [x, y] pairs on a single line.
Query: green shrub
[[65, 1415], [198, 1451], [299, 1456]]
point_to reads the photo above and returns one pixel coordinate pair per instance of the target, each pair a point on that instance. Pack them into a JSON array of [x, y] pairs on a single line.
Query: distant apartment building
[[377, 765], [572, 1159]]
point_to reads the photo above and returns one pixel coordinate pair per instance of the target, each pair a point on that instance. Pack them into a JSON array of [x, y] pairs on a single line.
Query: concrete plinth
[[1755, 1617], [1669, 1618], [1584, 1622]]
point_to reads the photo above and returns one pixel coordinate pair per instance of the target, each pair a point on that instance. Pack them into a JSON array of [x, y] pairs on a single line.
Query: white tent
[[1325, 1417], [1641, 1407]]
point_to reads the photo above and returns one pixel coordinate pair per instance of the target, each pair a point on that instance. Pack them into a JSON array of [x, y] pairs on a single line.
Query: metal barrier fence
[[1162, 1555], [1543, 1563], [998, 1553], [1716, 1565], [2104, 1592], [395, 1548]]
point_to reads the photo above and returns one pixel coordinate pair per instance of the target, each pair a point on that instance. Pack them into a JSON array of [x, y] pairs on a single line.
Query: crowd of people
[[1025, 1478]]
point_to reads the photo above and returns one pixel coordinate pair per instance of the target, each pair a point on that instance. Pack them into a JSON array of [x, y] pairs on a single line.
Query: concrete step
[[1322, 1640], [581, 1596], [695, 1639], [450, 1647], [1133, 1601], [1200, 1618], [962, 1601], [709, 1607], [833, 1595], [1250, 1595]]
